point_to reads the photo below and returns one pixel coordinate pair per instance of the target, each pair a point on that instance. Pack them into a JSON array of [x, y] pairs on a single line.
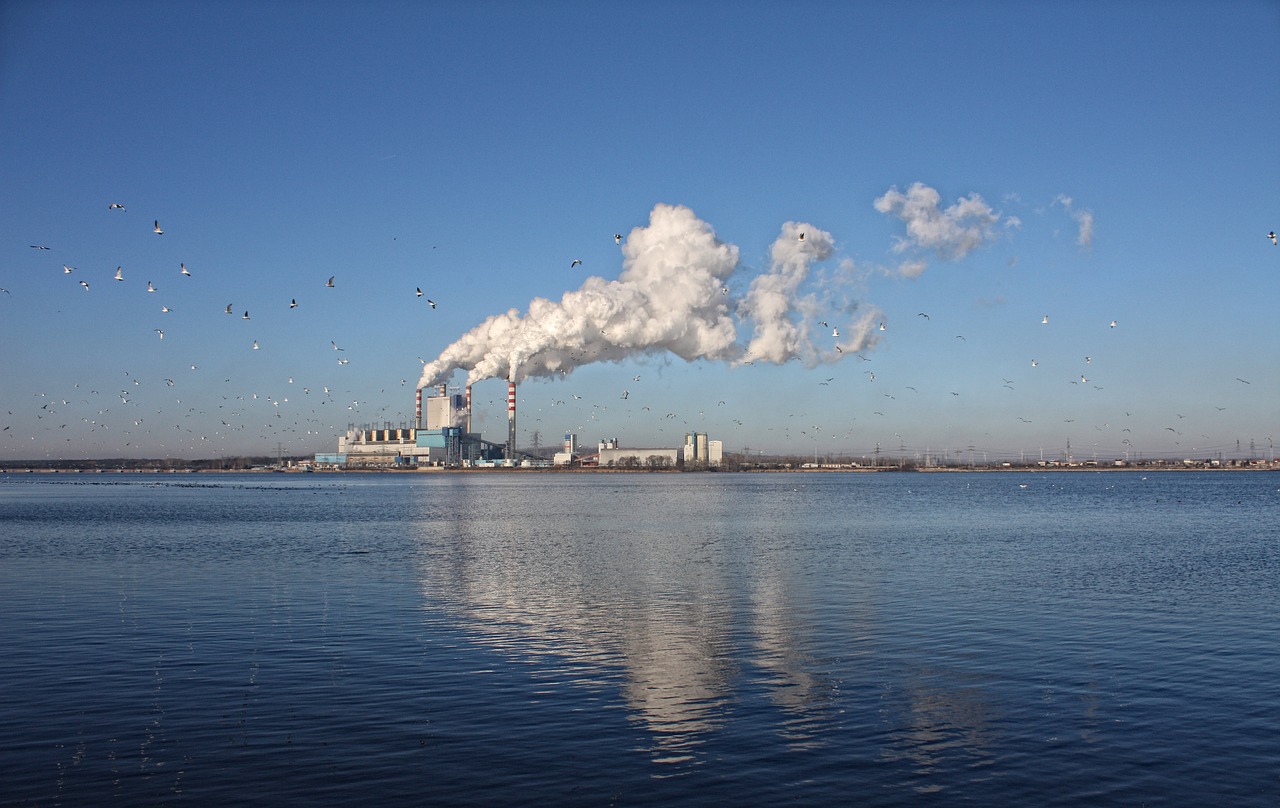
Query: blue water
[[640, 639]]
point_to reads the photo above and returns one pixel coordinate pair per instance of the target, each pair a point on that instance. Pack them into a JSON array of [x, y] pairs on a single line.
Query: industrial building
[[441, 436], [696, 452]]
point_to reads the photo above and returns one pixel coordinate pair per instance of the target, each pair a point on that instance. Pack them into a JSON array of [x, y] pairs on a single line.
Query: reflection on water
[[692, 622], [642, 639]]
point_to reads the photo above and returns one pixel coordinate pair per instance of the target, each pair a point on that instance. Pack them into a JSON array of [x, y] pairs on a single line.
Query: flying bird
[[66, 270], [229, 309], [1272, 236], [330, 283], [119, 273], [255, 345], [185, 271], [293, 303], [882, 327], [115, 206], [165, 309], [835, 332], [158, 231], [801, 237], [85, 284], [1113, 323], [419, 289], [1034, 363], [150, 288], [246, 316], [575, 263], [922, 314], [335, 346], [617, 238], [38, 247], [1045, 321], [431, 303], [159, 331]]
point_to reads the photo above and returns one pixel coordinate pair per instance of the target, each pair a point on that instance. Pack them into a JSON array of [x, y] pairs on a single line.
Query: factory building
[[440, 436], [697, 451], [566, 457]]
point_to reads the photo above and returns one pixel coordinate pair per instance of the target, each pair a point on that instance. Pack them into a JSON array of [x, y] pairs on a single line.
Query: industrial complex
[[441, 437]]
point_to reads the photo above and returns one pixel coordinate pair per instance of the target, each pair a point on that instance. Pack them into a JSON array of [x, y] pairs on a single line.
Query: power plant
[[441, 436]]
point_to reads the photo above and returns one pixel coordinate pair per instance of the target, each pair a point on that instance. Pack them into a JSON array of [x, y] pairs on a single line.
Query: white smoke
[[951, 232], [787, 321], [671, 297], [668, 298]]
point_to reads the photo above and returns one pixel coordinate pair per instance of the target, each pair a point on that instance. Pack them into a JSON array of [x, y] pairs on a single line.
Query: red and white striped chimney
[[511, 420], [417, 409], [468, 408]]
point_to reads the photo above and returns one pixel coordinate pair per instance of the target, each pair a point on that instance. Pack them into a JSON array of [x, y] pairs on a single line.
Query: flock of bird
[[151, 416], [238, 409]]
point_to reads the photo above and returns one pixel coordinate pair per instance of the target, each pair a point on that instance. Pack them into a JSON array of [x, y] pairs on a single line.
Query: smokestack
[[511, 420], [468, 408], [417, 409]]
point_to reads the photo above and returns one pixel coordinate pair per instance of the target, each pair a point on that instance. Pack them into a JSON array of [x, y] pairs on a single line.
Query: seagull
[[882, 326], [1113, 323], [66, 270], [115, 206], [119, 273], [1045, 321], [1237, 378], [1272, 236], [922, 314], [961, 337], [85, 284], [229, 309], [419, 289], [626, 393], [185, 271], [1034, 363], [38, 247], [835, 332], [431, 302], [246, 316], [1083, 380], [617, 238], [839, 349], [330, 283], [150, 288], [255, 345], [576, 262], [343, 361], [165, 309], [1088, 360], [335, 346], [801, 237], [158, 231], [293, 303], [159, 331]]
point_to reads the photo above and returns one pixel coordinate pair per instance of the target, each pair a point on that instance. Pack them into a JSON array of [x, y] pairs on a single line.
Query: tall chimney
[[468, 407], [417, 409], [511, 420]]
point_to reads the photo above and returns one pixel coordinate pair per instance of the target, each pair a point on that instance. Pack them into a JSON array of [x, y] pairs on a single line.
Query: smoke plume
[[672, 296]]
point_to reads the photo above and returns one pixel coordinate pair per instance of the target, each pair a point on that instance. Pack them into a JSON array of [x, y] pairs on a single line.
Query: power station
[[441, 436]]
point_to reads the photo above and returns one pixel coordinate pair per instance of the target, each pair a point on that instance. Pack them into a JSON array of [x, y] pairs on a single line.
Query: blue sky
[[1088, 161]]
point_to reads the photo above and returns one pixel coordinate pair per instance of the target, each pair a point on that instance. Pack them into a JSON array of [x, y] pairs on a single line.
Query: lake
[[499, 638]]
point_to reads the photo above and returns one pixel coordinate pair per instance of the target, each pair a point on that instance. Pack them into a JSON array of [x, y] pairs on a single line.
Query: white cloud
[[1083, 218], [951, 233]]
